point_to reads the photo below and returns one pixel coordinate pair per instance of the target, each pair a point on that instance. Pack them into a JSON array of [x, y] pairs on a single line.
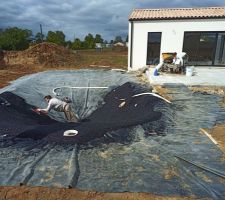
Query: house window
[[205, 48], [153, 48]]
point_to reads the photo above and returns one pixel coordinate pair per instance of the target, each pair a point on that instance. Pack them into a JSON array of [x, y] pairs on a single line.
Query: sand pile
[[43, 54]]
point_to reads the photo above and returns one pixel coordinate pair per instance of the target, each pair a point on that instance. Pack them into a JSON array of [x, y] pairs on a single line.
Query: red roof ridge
[[177, 13], [178, 8]]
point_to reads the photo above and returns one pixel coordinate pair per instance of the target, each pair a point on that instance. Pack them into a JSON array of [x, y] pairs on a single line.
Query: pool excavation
[[127, 139]]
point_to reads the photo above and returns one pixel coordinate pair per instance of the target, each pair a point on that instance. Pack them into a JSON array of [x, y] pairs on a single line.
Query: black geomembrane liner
[[18, 119]]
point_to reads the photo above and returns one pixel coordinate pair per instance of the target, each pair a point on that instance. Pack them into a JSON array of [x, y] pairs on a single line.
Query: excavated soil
[[49, 56], [43, 193], [43, 54]]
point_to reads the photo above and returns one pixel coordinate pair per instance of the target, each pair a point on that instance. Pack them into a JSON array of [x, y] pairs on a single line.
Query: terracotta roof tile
[[178, 13]]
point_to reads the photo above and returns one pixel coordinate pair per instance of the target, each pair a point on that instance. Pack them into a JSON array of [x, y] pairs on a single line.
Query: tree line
[[19, 39]]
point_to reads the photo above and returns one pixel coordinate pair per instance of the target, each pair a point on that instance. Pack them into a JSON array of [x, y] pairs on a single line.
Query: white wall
[[172, 35]]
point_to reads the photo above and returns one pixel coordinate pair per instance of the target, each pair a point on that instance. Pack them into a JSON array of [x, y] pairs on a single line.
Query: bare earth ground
[[43, 193], [91, 60], [218, 133], [31, 61]]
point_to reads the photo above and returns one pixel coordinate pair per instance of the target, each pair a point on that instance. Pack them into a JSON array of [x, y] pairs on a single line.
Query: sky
[[77, 18]]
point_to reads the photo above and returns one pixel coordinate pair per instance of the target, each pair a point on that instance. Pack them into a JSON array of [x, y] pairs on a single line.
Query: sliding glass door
[[191, 46], [220, 50], [205, 48]]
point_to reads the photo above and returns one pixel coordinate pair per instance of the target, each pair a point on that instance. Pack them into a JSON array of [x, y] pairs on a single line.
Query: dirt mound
[[2, 62], [43, 54]]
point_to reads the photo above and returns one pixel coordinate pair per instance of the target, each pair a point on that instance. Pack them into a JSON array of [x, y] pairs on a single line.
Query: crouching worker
[[59, 106]]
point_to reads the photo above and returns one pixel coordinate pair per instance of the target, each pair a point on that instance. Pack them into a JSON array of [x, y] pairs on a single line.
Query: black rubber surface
[[18, 120]]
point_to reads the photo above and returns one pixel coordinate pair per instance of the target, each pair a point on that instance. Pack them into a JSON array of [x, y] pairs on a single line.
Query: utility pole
[[41, 33]]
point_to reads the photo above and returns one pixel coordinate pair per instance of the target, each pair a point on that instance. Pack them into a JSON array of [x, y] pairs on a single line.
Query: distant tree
[[68, 44], [105, 42], [77, 44], [15, 38], [127, 38], [89, 42], [118, 39], [39, 37], [57, 37], [98, 38], [111, 41]]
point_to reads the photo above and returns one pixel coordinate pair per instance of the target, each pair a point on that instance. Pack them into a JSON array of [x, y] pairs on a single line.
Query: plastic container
[[189, 70], [155, 73]]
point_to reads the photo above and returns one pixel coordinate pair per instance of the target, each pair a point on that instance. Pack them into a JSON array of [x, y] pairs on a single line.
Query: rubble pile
[[43, 54]]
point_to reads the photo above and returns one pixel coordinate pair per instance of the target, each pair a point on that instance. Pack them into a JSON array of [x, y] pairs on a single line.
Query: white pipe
[[120, 70], [153, 94], [209, 136], [77, 88]]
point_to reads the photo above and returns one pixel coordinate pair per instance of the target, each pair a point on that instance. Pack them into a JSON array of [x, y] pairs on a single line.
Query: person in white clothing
[[59, 106]]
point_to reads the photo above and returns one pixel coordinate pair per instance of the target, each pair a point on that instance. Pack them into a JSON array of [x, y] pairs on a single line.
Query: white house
[[119, 44], [200, 32]]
